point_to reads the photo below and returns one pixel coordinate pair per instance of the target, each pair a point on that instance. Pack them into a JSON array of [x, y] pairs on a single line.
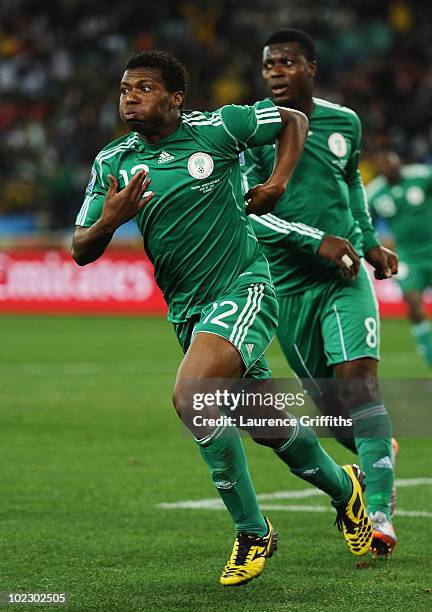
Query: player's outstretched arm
[[262, 198], [89, 243]]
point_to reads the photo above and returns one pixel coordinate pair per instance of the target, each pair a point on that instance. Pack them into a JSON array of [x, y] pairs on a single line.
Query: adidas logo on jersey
[[384, 462], [165, 157], [249, 348]]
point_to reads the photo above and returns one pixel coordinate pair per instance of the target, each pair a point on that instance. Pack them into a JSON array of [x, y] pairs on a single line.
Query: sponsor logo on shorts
[[249, 348]]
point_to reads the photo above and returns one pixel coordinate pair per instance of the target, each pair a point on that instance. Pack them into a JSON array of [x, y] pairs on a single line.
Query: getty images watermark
[[237, 402], [268, 407]]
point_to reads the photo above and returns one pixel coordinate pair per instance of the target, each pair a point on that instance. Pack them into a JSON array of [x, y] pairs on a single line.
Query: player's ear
[[312, 68], [178, 99]]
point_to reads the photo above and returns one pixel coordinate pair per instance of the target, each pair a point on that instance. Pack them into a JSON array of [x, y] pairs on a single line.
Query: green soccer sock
[[372, 431], [307, 459], [224, 454], [423, 337]]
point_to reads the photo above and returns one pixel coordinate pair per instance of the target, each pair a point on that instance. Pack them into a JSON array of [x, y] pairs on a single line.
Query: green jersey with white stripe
[[407, 208], [195, 228], [325, 192]]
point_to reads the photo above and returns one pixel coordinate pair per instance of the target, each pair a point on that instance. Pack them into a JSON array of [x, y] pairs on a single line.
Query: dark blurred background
[[61, 60]]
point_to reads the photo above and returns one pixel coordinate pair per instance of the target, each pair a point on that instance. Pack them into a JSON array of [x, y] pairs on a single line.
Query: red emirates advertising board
[[120, 282], [50, 282]]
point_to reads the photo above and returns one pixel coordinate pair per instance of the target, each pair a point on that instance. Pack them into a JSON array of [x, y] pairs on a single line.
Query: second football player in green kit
[[328, 325]]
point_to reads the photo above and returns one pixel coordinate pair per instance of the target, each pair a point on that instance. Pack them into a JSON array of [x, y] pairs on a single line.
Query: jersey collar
[[142, 145]]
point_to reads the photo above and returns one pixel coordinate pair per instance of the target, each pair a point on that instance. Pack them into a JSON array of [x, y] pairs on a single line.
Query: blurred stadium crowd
[[60, 63]]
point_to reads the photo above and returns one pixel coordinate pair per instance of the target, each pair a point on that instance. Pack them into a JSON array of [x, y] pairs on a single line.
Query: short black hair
[[290, 35], [174, 74]]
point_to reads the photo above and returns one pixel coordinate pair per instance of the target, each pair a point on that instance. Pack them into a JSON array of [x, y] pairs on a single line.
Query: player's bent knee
[[365, 367], [179, 400], [357, 382], [185, 411], [198, 417]]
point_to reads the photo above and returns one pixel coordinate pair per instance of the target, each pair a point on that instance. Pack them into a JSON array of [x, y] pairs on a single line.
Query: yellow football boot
[[352, 517], [249, 556]]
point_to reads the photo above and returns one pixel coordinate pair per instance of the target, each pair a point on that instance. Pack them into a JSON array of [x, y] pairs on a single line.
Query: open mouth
[[279, 89]]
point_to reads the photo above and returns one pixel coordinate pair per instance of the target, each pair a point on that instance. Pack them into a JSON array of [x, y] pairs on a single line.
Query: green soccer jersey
[[407, 208], [195, 228], [325, 192]]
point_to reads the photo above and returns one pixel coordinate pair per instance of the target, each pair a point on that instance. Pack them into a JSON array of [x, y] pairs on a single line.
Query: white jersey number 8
[[372, 335]]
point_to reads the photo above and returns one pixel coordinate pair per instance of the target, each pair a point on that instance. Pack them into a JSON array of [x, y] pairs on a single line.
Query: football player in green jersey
[[213, 275], [328, 325], [402, 196]]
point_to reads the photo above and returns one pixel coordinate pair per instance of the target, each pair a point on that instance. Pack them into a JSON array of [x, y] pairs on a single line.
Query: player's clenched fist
[[262, 198], [121, 206], [383, 260], [340, 252]]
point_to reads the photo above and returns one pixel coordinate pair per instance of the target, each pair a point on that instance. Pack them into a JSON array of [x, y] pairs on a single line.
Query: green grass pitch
[[90, 445]]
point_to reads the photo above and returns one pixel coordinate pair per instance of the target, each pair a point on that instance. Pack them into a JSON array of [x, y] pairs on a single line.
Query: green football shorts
[[414, 275], [246, 316], [329, 324]]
